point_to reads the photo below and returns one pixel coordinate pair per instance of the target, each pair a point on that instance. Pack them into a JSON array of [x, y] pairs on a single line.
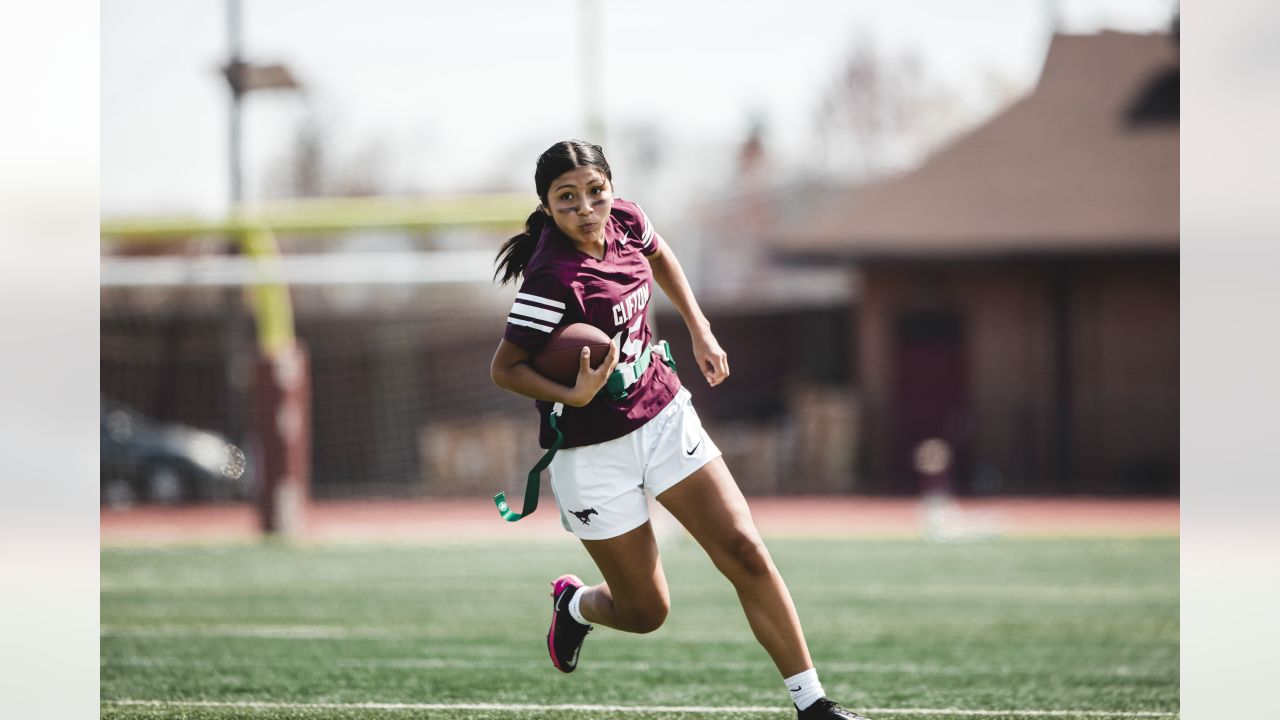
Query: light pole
[[589, 13], [234, 63], [243, 77]]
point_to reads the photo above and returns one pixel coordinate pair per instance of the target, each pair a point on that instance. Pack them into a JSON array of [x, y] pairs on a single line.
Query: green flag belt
[[534, 482], [620, 381], [627, 374]]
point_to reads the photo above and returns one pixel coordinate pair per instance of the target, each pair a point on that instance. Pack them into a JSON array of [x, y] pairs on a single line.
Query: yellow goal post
[[254, 231], [282, 385]]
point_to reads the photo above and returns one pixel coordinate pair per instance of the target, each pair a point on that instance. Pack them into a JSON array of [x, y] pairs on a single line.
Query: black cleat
[[565, 637], [825, 709]]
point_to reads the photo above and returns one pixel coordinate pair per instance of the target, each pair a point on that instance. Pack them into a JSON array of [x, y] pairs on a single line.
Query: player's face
[[580, 202]]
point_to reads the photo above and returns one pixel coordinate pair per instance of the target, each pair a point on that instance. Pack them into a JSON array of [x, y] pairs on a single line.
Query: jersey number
[[631, 349]]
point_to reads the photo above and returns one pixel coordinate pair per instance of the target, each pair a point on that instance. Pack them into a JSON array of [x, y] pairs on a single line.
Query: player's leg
[[602, 502], [685, 472], [688, 476], [710, 505], [634, 596]]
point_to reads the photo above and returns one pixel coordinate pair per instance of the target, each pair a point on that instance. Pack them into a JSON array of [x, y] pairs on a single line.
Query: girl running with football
[[587, 256]]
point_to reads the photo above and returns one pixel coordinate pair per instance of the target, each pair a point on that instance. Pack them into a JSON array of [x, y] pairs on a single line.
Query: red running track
[[470, 520]]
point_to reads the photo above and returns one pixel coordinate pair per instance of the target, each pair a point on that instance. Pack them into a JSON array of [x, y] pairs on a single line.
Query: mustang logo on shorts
[[584, 515]]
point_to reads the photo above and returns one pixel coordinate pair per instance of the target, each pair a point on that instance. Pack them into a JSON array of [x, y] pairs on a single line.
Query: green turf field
[[899, 629]]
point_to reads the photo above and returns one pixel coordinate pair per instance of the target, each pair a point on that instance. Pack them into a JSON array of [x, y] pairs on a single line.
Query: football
[[557, 359]]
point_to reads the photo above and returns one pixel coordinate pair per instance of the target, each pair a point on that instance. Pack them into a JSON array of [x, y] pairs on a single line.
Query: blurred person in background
[[588, 257]]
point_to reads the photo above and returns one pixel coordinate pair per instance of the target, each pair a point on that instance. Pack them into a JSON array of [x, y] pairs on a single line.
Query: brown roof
[[1063, 170]]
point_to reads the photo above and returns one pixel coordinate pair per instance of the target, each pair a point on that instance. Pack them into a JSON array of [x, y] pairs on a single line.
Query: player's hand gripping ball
[[560, 356]]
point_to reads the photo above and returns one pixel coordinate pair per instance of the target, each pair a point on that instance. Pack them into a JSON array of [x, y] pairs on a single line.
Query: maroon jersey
[[563, 286]]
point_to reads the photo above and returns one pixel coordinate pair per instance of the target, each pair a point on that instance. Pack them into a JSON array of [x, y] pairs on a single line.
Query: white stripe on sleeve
[[529, 323], [540, 300], [538, 313], [648, 227]]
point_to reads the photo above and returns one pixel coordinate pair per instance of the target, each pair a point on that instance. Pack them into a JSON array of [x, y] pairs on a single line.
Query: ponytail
[[515, 253]]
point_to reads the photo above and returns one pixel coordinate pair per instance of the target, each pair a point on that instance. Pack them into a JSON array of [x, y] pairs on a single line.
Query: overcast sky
[[461, 96]]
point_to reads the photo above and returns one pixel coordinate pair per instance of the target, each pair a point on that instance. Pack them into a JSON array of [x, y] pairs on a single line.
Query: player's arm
[[510, 370], [712, 360]]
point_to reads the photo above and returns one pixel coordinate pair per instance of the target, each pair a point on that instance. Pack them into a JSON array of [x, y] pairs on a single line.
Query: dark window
[[1159, 101]]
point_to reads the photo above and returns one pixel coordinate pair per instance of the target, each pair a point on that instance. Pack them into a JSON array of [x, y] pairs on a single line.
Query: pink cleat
[[565, 637]]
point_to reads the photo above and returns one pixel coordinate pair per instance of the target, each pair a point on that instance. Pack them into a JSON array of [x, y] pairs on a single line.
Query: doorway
[[930, 394]]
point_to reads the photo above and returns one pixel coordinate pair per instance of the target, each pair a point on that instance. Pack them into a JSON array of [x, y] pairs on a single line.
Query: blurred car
[[143, 460]]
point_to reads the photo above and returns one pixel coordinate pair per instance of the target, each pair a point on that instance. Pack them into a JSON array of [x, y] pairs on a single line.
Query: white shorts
[[600, 488]]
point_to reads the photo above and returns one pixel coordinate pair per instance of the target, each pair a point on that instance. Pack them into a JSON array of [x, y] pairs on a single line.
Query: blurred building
[[1017, 293]]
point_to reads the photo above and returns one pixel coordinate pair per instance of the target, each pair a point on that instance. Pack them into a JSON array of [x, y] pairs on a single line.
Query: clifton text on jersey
[[630, 305]]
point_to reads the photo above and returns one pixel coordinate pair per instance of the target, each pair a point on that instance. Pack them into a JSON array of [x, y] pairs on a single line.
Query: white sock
[[804, 688], [575, 606]]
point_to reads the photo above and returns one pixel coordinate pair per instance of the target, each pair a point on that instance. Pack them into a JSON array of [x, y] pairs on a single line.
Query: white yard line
[[686, 709], [286, 632]]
